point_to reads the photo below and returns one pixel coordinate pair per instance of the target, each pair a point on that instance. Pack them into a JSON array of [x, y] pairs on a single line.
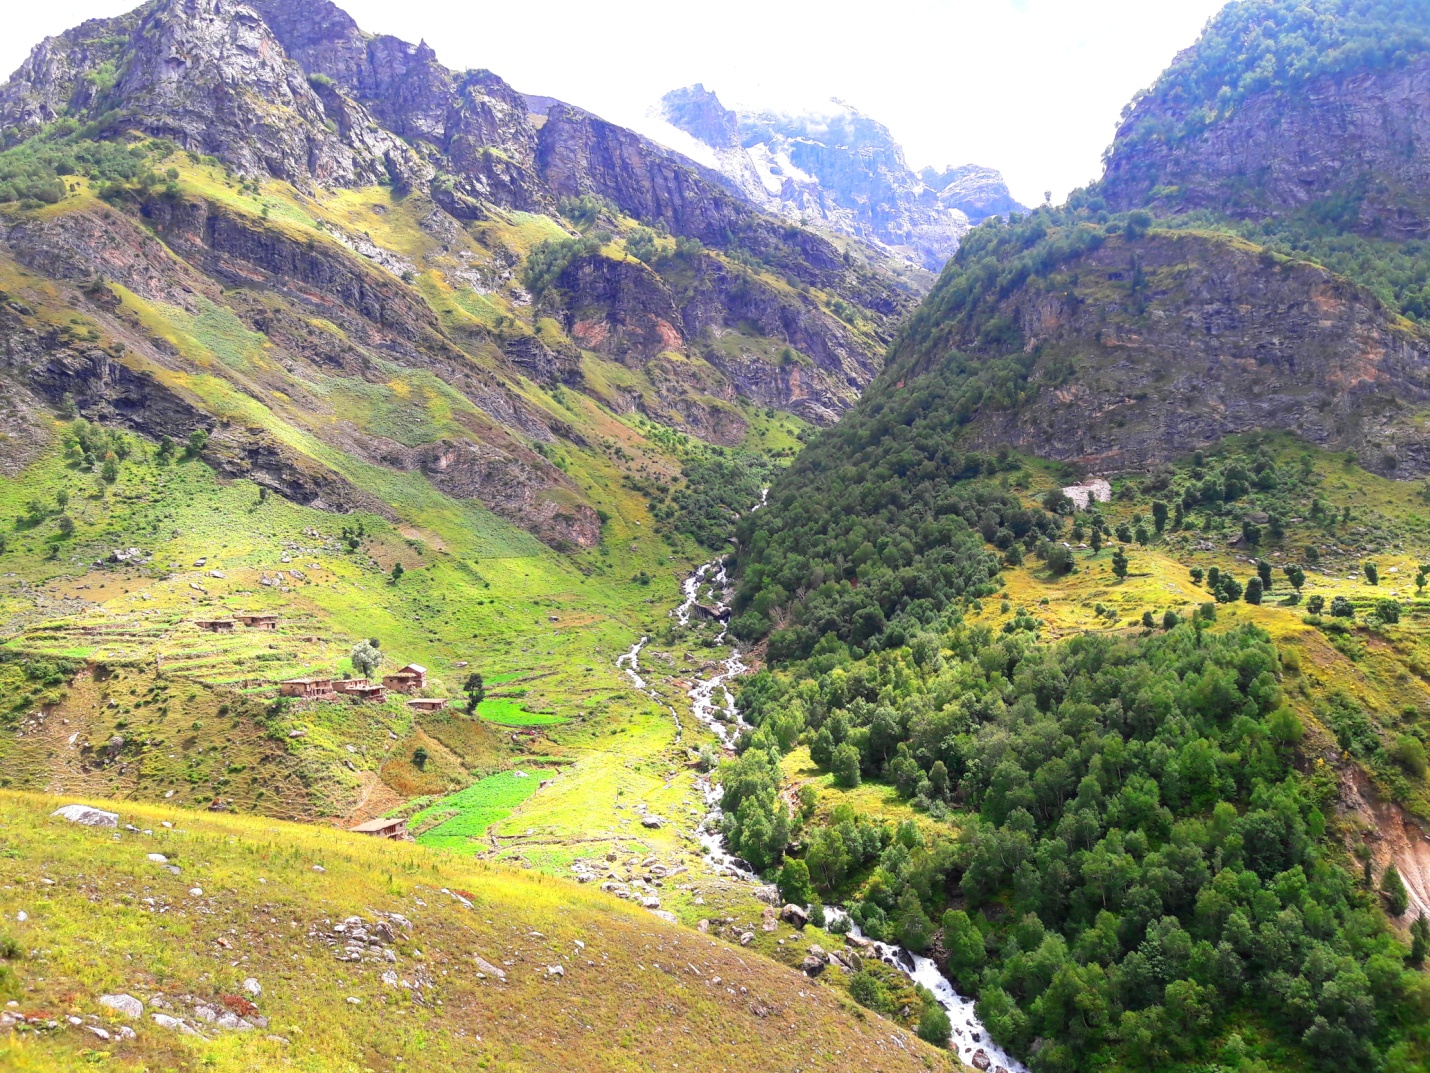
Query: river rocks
[[127, 1005], [794, 914], [981, 1061], [87, 816]]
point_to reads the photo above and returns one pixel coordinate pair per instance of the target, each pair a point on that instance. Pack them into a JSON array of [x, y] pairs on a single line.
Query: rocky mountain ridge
[[1285, 109], [425, 275], [844, 170]]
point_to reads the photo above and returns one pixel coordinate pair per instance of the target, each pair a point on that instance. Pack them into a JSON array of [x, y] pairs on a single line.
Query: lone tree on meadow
[[366, 658], [419, 758], [1119, 563], [1372, 572], [476, 691]]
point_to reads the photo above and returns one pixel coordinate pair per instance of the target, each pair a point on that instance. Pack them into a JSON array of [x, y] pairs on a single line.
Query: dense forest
[[1256, 46], [1138, 870]]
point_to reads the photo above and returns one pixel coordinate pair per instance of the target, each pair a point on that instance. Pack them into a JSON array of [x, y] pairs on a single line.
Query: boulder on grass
[[87, 815]]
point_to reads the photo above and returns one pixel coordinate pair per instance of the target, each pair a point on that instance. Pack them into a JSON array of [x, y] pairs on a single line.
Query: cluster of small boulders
[[637, 881], [360, 939], [185, 1013]]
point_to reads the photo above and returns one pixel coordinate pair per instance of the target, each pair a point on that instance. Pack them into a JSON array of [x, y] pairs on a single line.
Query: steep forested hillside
[[1094, 664], [1285, 106]]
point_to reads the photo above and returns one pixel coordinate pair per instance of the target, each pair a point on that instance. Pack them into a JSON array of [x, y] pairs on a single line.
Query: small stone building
[[410, 679], [307, 688], [428, 704], [215, 625], [380, 828], [349, 685], [259, 620], [368, 691]]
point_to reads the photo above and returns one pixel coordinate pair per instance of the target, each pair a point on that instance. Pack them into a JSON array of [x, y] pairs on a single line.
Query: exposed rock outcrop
[[841, 169], [1217, 340], [1363, 138]]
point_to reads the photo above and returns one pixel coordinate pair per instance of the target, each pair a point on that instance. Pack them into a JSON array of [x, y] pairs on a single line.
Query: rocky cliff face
[[973, 190], [294, 91], [1144, 350], [1356, 145], [842, 169]]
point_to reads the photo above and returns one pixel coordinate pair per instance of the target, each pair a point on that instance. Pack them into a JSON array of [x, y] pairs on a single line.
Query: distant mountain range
[[840, 169]]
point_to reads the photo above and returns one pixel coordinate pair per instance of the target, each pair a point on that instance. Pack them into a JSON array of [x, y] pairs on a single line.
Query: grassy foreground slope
[[256, 898]]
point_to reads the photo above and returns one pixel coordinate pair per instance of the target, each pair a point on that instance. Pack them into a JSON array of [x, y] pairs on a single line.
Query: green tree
[[1316, 604], [828, 858], [1059, 558], [476, 690], [963, 945], [845, 766], [794, 882], [62, 499], [1419, 940], [1252, 594], [109, 470], [1342, 608], [397, 572], [65, 524], [1295, 575], [1119, 563], [366, 659], [821, 749], [1397, 898], [198, 440], [1263, 571], [913, 927], [1159, 515], [1170, 620], [1372, 572], [934, 1025], [1096, 540], [419, 758]]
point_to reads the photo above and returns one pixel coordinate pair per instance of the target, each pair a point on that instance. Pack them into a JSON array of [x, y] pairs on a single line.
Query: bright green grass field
[[482, 804], [512, 714]]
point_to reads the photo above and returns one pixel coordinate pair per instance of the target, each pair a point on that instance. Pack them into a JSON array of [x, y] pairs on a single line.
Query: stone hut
[[380, 828], [307, 688], [410, 679]]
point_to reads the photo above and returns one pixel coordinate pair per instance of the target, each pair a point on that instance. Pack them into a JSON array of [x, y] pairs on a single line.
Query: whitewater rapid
[[722, 717]]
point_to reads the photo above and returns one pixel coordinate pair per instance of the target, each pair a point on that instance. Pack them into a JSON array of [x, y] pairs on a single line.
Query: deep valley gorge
[[487, 587]]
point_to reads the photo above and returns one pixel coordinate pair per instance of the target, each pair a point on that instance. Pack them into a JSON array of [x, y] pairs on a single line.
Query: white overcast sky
[[1032, 87]]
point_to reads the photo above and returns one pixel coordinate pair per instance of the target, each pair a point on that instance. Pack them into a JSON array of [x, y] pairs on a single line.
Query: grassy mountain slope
[[258, 899]]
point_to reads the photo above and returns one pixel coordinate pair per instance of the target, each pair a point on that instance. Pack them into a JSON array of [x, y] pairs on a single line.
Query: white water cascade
[[970, 1039]]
